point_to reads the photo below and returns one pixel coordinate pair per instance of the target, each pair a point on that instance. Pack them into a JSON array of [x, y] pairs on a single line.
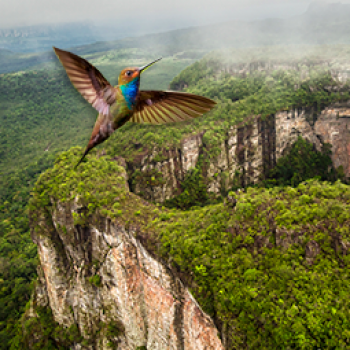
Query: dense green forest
[[265, 292], [42, 115]]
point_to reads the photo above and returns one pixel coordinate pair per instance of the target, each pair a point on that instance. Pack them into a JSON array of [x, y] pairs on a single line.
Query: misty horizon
[[320, 23]]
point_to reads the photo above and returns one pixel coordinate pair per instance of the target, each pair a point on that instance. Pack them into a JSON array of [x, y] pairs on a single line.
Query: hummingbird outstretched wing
[[161, 107], [88, 80]]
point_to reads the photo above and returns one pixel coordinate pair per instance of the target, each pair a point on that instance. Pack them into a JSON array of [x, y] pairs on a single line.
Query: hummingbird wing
[[161, 107], [88, 80]]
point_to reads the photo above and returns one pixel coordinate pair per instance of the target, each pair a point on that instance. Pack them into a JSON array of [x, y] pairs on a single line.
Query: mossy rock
[[43, 332], [98, 185]]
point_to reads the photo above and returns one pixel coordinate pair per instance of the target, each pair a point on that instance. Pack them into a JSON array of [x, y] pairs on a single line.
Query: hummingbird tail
[[82, 158]]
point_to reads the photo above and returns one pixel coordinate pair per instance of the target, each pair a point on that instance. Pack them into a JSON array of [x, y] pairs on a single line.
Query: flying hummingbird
[[125, 102]]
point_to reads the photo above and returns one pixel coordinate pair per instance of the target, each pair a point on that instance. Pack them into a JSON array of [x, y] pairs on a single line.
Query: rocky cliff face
[[97, 276], [247, 153]]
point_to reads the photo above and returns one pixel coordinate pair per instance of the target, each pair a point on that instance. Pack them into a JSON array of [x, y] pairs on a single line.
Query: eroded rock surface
[[101, 274]]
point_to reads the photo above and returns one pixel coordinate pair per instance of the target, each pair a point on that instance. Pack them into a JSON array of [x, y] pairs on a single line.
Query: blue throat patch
[[129, 91]]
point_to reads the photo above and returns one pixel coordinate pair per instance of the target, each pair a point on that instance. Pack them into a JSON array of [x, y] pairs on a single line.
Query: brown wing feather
[[161, 107], [88, 80]]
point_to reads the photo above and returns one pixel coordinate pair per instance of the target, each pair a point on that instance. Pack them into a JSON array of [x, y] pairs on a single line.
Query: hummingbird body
[[129, 92], [125, 102], [105, 125]]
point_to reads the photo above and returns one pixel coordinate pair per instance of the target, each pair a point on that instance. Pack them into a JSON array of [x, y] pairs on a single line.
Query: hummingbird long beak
[[142, 69]]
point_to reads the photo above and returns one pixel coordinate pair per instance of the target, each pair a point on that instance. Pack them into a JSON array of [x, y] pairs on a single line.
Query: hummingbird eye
[[128, 73]]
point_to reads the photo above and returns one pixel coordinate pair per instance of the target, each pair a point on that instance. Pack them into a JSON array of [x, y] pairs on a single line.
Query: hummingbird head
[[129, 74]]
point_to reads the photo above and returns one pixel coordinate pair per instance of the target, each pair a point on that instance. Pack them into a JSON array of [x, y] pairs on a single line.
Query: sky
[[151, 15]]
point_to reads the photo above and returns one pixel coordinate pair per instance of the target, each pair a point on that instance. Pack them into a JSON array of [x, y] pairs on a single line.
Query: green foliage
[[239, 96], [147, 178], [95, 280], [251, 266], [38, 109], [18, 254], [97, 184], [114, 329], [113, 332], [43, 333], [42, 111], [194, 191], [302, 162], [196, 72], [42, 114], [90, 181]]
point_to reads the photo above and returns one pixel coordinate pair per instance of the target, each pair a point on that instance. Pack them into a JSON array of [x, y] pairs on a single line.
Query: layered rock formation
[[248, 152], [98, 274]]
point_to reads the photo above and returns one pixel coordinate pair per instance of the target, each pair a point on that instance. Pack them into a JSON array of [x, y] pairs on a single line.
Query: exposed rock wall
[[333, 127], [100, 274], [250, 149]]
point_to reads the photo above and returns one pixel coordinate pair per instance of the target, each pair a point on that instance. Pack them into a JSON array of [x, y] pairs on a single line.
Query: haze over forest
[[225, 25], [319, 24]]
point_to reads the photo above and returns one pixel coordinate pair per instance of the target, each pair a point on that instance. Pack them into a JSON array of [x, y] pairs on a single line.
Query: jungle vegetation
[[41, 115], [252, 269]]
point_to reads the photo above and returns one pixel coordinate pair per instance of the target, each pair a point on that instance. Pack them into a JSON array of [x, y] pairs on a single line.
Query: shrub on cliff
[[194, 192], [301, 163]]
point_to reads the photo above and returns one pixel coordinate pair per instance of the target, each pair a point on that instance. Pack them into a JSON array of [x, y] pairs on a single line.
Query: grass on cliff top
[[274, 270], [98, 185]]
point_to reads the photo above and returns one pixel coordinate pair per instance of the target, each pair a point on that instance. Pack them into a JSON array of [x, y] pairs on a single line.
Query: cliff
[[248, 151], [102, 286], [268, 266]]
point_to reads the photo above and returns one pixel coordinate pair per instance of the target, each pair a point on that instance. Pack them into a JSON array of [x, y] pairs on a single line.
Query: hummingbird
[[124, 102]]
